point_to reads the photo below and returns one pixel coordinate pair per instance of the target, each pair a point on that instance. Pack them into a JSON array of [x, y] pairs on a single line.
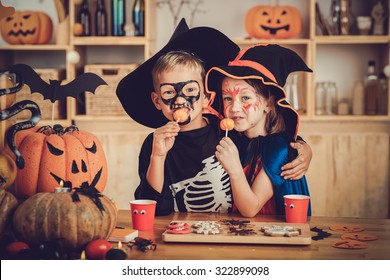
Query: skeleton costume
[[194, 180], [270, 65]]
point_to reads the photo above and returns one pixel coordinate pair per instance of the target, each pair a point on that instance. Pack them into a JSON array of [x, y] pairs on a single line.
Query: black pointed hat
[[134, 90], [270, 63]]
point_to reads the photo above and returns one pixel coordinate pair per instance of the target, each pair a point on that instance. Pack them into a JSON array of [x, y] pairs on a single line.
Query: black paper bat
[[54, 91]]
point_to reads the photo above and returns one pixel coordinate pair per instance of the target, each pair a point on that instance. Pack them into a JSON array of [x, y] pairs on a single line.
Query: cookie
[[206, 227], [179, 230], [349, 244], [280, 231], [343, 228], [359, 237], [173, 225]]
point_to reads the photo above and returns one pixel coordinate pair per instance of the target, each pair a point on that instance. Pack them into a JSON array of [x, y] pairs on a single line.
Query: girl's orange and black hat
[[208, 44], [269, 63]]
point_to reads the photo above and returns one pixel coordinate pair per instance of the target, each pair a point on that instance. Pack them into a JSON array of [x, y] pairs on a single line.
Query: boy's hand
[[227, 155], [164, 138], [296, 169]]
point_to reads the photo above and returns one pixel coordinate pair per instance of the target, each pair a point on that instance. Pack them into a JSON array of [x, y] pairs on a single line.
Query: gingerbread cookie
[[349, 244], [359, 237], [280, 231], [343, 228]]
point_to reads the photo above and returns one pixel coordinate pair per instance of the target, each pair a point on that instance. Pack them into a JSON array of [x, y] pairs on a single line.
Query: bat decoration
[[321, 234], [14, 110], [54, 90]]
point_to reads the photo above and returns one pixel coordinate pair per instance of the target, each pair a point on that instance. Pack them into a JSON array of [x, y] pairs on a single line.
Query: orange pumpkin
[[226, 124], [53, 155], [27, 27], [279, 22], [8, 170], [59, 218]]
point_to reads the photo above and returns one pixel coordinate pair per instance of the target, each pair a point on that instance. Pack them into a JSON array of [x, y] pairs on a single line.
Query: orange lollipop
[[226, 124], [180, 115]]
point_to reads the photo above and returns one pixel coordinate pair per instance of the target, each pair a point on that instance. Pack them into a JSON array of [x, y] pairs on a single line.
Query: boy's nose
[[236, 106]]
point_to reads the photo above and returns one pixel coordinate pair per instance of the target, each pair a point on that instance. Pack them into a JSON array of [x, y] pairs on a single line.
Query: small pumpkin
[[8, 204], [226, 124], [279, 22], [6, 100], [8, 170], [58, 218], [55, 155], [27, 27]]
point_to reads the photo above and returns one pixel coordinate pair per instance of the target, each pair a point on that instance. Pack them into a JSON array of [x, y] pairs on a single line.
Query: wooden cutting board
[[226, 236]]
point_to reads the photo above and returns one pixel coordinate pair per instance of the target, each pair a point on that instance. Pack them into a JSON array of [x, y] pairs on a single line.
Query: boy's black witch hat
[[269, 63], [134, 90]]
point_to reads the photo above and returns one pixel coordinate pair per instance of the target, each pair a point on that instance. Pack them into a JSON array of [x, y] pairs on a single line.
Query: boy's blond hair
[[173, 59]]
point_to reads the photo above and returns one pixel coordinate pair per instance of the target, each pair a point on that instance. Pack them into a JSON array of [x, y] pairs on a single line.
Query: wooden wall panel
[[349, 174]]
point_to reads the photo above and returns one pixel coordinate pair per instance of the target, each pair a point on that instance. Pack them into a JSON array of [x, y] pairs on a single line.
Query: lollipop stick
[[178, 120], [226, 133]]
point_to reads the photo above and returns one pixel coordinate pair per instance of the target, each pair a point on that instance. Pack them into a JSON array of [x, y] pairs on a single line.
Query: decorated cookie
[[280, 231], [173, 225], [179, 230], [359, 236], [343, 228], [349, 244], [206, 227]]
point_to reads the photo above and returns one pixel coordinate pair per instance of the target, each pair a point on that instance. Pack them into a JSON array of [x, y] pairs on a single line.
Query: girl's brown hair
[[274, 122]]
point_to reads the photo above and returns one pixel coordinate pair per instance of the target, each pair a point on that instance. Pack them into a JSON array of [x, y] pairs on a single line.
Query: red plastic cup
[[296, 207], [142, 213]]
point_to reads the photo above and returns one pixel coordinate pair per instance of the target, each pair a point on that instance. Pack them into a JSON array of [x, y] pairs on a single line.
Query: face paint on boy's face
[[189, 90]]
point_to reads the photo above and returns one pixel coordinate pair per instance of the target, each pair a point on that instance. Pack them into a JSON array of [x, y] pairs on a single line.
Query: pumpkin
[[279, 22], [8, 204], [55, 155], [57, 217], [27, 27], [6, 100], [8, 170]]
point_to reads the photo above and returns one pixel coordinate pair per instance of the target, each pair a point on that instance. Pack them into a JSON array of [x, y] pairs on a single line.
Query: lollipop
[[226, 124], [180, 115]]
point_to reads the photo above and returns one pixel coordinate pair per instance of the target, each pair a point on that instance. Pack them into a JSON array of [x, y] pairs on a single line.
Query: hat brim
[[215, 75], [134, 90]]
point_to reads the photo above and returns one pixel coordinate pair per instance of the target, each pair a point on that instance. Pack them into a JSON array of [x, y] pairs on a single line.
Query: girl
[[251, 90]]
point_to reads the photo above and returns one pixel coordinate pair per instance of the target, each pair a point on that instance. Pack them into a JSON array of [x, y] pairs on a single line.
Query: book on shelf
[[123, 234]]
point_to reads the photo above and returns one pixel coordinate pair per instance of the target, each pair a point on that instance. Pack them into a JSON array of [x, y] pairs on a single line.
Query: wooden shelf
[[109, 41], [35, 47]]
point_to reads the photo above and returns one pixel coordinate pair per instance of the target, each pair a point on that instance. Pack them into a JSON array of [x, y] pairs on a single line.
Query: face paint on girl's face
[[188, 90]]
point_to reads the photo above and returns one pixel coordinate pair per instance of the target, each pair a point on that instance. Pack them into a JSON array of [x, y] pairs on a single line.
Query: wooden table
[[318, 250]]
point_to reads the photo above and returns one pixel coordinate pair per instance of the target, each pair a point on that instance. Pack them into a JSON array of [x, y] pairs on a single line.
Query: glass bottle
[[320, 99], [358, 99], [84, 17], [335, 18], [331, 98], [139, 17], [118, 17], [382, 94], [371, 89], [100, 19]]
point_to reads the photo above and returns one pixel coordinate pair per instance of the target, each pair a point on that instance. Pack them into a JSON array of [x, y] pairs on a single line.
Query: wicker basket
[[45, 105], [104, 101]]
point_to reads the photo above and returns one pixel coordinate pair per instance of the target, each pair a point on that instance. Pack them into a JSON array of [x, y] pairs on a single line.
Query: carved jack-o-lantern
[[27, 27], [53, 155], [265, 22]]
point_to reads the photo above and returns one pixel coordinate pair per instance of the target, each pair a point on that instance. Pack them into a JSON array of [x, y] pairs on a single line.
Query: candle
[[116, 253], [83, 257], [61, 188]]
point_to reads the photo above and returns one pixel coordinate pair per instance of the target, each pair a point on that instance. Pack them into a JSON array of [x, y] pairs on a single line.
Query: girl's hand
[[164, 138], [227, 155], [296, 169]]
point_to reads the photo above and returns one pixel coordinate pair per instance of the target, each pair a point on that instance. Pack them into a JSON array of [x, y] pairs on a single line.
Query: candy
[[226, 124], [180, 115]]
